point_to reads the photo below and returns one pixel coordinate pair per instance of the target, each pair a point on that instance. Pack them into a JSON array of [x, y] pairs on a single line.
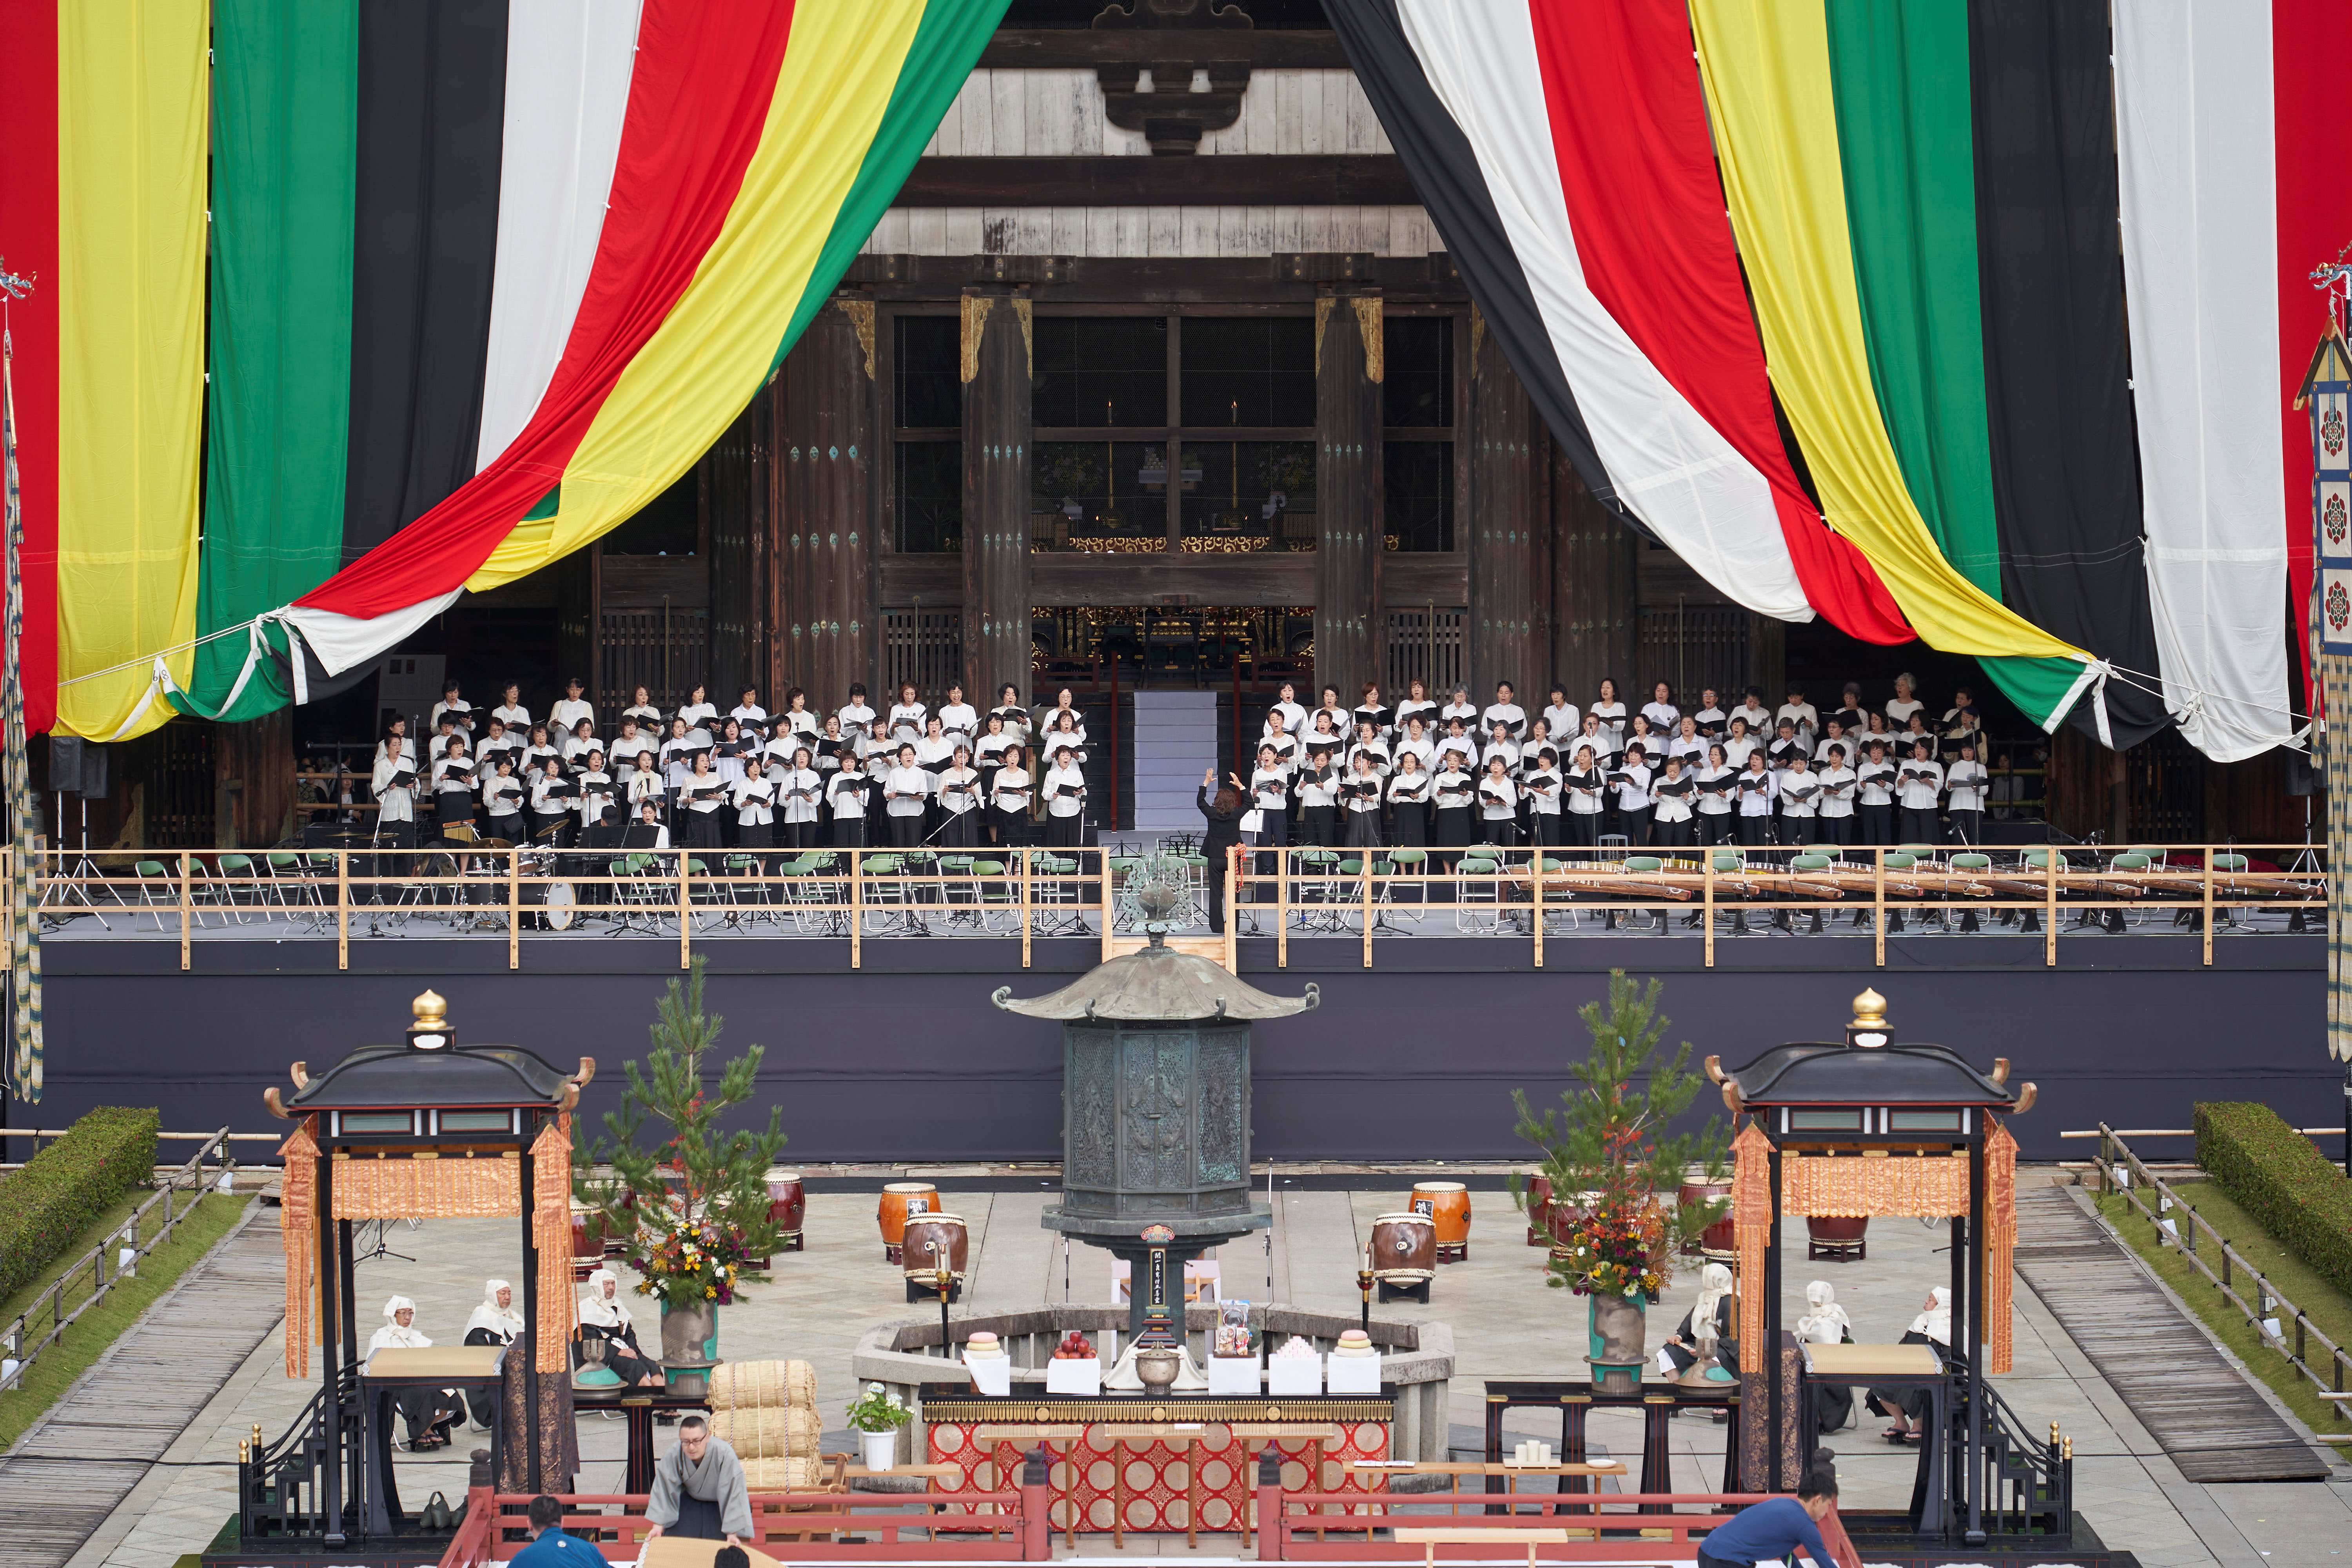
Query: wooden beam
[[1064, 49], [1059, 581], [1288, 179], [1244, 283]]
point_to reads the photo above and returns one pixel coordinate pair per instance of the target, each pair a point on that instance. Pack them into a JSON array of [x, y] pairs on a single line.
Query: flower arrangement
[[1612, 1168], [879, 1410], [690, 1265]]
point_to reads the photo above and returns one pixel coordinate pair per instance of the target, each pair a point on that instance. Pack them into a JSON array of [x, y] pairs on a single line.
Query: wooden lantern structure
[[426, 1128], [1861, 1127]]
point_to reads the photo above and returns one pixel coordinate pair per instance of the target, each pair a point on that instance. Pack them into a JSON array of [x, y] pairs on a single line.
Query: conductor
[[1224, 813]]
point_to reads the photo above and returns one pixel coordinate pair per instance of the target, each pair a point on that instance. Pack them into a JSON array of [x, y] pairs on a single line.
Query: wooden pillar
[[994, 366], [1504, 534], [1594, 598], [253, 783], [824, 450], [737, 498], [1350, 624]]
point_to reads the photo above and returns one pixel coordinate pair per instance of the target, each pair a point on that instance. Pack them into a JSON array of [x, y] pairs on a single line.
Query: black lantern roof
[[431, 1070], [1833, 1073], [1868, 1068], [1157, 984]]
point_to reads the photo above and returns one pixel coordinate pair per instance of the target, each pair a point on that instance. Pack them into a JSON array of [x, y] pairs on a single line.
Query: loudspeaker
[[2303, 778], [77, 767]]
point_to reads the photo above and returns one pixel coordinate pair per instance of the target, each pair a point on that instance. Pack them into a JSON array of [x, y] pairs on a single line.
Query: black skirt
[[756, 836], [702, 829], [1412, 822], [1012, 826], [849, 832], [1363, 830], [1453, 825], [960, 830], [1583, 828]]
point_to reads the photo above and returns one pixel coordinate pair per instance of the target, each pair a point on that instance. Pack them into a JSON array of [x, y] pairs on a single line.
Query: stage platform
[[1413, 1058]]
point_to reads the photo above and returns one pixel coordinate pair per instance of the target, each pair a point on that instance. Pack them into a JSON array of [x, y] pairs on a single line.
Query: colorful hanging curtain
[[24, 812], [1563, 153], [489, 275], [103, 185], [2234, 148], [1865, 404]]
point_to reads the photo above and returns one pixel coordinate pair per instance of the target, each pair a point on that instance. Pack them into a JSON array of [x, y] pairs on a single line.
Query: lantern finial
[[1869, 1028]]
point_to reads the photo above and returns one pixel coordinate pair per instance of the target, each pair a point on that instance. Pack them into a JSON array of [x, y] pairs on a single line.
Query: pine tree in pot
[[690, 1194], [1614, 1173]]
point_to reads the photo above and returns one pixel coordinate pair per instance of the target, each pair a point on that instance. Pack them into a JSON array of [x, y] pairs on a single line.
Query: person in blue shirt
[[1769, 1531], [553, 1548]]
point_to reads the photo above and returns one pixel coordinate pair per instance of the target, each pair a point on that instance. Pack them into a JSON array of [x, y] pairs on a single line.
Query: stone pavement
[[1505, 1322]]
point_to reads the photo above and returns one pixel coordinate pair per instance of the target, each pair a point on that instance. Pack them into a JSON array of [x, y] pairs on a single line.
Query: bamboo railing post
[[2050, 908], [342, 909], [1282, 907], [684, 913], [1368, 906], [1232, 889], [1028, 900], [1102, 855], [1878, 906], [857, 908], [514, 908], [1706, 896], [2208, 906], [187, 908], [1535, 879]]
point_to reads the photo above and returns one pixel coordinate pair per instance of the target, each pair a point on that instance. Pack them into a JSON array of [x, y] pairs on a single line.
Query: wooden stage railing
[[874, 893]]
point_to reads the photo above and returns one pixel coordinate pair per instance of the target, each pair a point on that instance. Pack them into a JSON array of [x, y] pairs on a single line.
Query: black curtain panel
[[2066, 463], [432, 107]]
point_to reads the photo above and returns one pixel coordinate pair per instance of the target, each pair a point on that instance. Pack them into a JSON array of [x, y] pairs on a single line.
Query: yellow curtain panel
[[131, 136], [1766, 66], [702, 365]]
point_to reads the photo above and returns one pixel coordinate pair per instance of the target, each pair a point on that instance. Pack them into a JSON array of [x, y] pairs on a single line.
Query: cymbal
[[493, 844]]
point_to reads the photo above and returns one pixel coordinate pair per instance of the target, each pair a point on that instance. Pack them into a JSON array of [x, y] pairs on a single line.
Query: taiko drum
[[1447, 1204], [900, 1199]]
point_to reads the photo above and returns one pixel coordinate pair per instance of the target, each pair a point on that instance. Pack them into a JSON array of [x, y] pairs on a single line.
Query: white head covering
[[392, 1334], [1936, 1322], [595, 1310], [1714, 1285], [504, 1323], [1825, 1322]]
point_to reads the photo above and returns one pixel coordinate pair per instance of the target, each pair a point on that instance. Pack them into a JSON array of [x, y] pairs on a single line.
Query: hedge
[[2280, 1178], [62, 1191]]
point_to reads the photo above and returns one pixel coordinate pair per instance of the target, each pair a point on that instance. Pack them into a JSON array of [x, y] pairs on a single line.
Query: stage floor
[[1506, 1323]]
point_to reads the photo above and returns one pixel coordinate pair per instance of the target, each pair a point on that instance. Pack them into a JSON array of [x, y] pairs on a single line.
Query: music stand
[[85, 869]]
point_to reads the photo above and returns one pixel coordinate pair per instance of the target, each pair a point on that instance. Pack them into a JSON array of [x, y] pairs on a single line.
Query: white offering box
[[1294, 1374], [1233, 1374], [992, 1374], [1082, 1378], [1352, 1374]]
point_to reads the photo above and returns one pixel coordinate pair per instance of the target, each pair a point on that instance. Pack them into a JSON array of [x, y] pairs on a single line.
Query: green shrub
[[62, 1190], [2280, 1178]]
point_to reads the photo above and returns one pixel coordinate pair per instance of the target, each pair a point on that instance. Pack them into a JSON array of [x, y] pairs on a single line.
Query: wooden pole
[[1282, 907], [1233, 891], [2208, 909], [342, 909], [1536, 880], [1028, 897], [1877, 937], [857, 906], [685, 911], [187, 909], [1366, 866], [514, 910], [1706, 893], [2050, 908], [1102, 865]]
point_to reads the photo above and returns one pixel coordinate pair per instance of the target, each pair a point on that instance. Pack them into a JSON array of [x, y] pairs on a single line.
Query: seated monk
[[604, 1317], [1908, 1408], [1705, 1338]]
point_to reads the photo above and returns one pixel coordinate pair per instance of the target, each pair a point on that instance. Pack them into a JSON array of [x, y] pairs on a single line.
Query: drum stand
[[85, 869]]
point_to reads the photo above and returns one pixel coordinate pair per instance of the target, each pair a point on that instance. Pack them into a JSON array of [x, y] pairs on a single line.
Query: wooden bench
[[1431, 1539]]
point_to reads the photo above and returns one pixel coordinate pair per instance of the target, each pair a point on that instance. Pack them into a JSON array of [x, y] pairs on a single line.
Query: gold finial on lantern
[[1869, 1028], [430, 1032]]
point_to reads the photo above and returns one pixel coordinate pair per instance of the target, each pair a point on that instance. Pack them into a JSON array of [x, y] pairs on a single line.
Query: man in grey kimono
[[699, 1489]]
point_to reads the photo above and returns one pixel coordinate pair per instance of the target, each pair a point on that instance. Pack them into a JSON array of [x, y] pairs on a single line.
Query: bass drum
[[557, 905]]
